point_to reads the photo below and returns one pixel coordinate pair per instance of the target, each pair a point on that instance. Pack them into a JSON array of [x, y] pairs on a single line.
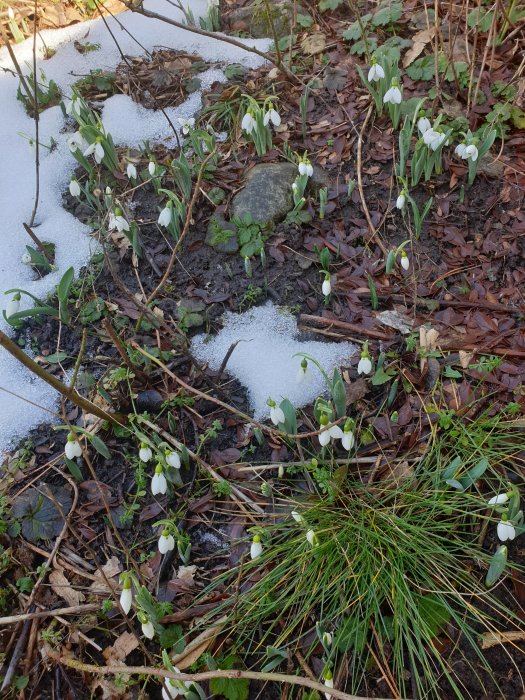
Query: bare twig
[[36, 240], [71, 610], [37, 123]]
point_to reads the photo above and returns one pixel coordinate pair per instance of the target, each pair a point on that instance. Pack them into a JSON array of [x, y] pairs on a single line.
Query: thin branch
[[37, 123]]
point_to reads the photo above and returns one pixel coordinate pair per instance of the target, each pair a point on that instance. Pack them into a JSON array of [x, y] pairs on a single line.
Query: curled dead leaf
[[63, 588], [420, 40]]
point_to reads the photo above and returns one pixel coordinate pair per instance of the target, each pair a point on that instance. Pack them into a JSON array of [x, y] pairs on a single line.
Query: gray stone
[[267, 194], [149, 400], [215, 240]]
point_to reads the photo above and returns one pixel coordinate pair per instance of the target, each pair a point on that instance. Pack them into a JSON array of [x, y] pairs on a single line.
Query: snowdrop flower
[[147, 628], [423, 125], [13, 306], [26, 259], [303, 373], [312, 538], [173, 459], [152, 168], [471, 152], [118, 221], [393, 94], [332, 432], [405, 262], [158, 482], [400, 201], [145, 453], [131, 171], [327, 639], [276, 413], [505, 529], [329, 682], [186, 124], [73, 106], [348, 438], [376, 72], [256, 548], [433, 138], [96, 149], [166, 542], [499, 500], [326, 287], [76, 141], [460, 150], [126, 596], [10, 13], [297, 517], [364, 365], [72, 448], [271, 116], [173, 689], [248, 123], [74, 188], [165, 215], [305, 167]]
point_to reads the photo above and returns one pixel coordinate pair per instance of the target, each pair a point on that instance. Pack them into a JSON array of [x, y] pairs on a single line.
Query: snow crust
[[129, 125], [264, 360]]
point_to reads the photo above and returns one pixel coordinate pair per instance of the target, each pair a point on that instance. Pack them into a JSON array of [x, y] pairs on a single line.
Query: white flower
[[332, 432], [297, 517], [73, 106], [74, 188], [248, 123], [303, 373], [364, 365], [276, 414], [26, 259], [166, 543], [158, 482], [433, 139], [327, 639], [256, 548], [145, 453], [186, 124], [97, 149], [506, 531], [173, 460], [13, 306], [174, 688], [400, 201], [326, 287], [72, 448], [76, 141], [471, 152], [148, 630], [117, 221], [499, 500], [306, 168], [312, 538], [131, 171], [272, 116], [152, 168], [165, 216], [329, 683], [405, 262], [10, 13], [376, 72], [423, 125], [126, 597], [460, 150], [392, 96], [348, 440]]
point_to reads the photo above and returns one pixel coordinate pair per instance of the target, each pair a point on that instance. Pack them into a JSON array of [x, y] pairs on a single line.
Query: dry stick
[[117, 342], [197, 677], [37, 123], [17, 653], [15, 62], [69, 393], [371, 226], [274, 33], [36, 240], [490, 37], [71, 610], [378, 335], [212, 35]]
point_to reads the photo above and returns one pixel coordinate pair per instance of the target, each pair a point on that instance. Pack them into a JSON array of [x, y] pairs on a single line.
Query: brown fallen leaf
[[124, 645], [314, 43], [420, 40], [62, 587], [111, 568]]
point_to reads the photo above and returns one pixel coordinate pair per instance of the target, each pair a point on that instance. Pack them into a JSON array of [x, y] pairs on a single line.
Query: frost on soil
[[264, 363], [129, 123]]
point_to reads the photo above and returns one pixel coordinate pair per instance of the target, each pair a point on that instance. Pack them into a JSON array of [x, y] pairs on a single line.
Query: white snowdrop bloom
[[131, 171], [306, 168], [108, 190], [375, 73], [433, 139], [26, 259], [95, 149], [152, 168], [506, 530], [271, 116], [312, 538], [158, 482], [392, 96], [329, 683], [165, 216], [117, 221], [186, 124], [348, 440], [74, 188], [304, 375], [460, 150], [327, 639], [364, 366], [248, 123], [145, 453], [471, 152], [297, 517], [126, 597], [326, 287], [256, 548], [166, 542], [72, 447], [276, 415], [173, 459], [13, 306], [400, 201], [332, 432], [423, 125], [148, 630], [174, 688], [499, 500], [76, 141], [405, 262]]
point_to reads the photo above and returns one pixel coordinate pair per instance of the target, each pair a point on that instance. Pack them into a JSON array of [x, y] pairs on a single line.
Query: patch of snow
[[264, 363], [130, 123]]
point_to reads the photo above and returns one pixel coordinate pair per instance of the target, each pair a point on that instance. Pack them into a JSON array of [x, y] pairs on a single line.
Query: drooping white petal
[[297, 517], [126, 598], [145, 454], [173, 460], [275, 117], [99, 153], [506, 531], [159, 484], [302, 168], [324, 438], [13, 307], [152, 168], [423, 125], [335, 432], [392, 96], [498, 500], [276, 415], [471, 152], [74, 188], [166, 543], [400, 201], [348, 440], [256, 550], [309, 169], [165, 217], [131, 171], [460, 150], [148, 630], [72, 449], [364, 366], [312, 538], [90, 149], [405, 262], [326, 288]]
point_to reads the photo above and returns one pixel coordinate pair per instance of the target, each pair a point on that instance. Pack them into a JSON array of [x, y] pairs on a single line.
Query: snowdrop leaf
[[382, 377], [63, 293], [450, 471], [290, 418], [497, 566], [338, 394], [74, 469], [100, 446], [455, 484], [475, 473]]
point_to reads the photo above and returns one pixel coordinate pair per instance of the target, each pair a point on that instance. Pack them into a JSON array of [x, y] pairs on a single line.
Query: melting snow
[[264, 361], [129, 124]]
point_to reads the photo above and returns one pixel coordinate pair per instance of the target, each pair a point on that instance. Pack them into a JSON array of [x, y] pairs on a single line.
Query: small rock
[[490, 167], [149, 400], [267, 194], [215, 237]]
